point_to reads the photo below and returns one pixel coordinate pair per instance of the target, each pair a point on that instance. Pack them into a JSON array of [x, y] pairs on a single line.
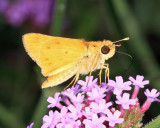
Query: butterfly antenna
[[124, 54], [129, 64], [124, 39]]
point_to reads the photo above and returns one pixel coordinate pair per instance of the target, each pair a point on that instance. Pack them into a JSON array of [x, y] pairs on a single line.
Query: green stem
[[40, 111], [57, 20]]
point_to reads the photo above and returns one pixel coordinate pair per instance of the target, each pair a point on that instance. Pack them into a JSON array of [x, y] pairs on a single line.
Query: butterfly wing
[[54, 54], [59, 54], [59, 78], [32, 43]]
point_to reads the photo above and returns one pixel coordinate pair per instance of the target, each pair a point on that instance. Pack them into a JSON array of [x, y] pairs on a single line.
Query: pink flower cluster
[[90, 105]]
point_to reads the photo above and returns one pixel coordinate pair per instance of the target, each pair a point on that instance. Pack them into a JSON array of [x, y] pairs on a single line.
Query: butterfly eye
[[105, 49]]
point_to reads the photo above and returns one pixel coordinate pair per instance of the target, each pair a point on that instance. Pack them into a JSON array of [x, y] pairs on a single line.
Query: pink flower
[[125, 101], [96, 94], [95, 122], [54, 102], [153, 94], [100, 107], [91, 82], [139, 81], [114, 118], [30, 126], [48, 119], [68, 123], [91, 107], [87, 112], [151, 97], [77, 99], [75, 111], [119, 85]]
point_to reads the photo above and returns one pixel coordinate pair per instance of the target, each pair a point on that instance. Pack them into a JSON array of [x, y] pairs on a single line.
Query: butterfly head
[[108, 48]]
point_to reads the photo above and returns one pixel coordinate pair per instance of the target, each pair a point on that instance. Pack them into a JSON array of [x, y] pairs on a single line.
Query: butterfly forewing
[[32, 43], [59, 54]]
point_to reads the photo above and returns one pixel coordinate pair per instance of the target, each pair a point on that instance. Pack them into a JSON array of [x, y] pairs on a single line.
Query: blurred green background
[[22, 100]]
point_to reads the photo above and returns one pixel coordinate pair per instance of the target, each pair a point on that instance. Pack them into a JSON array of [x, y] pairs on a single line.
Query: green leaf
[[154, 123]]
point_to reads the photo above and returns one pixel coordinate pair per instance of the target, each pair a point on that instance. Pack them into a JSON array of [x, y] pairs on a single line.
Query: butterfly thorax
[[95, 59]]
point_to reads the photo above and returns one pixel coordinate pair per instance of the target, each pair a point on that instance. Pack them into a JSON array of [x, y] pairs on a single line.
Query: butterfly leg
[[93, 66], [100, 74], [74, 79], [106, 66], [89, 77]]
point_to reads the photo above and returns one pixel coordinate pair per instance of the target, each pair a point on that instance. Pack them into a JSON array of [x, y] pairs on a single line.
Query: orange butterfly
[[61, 58]]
